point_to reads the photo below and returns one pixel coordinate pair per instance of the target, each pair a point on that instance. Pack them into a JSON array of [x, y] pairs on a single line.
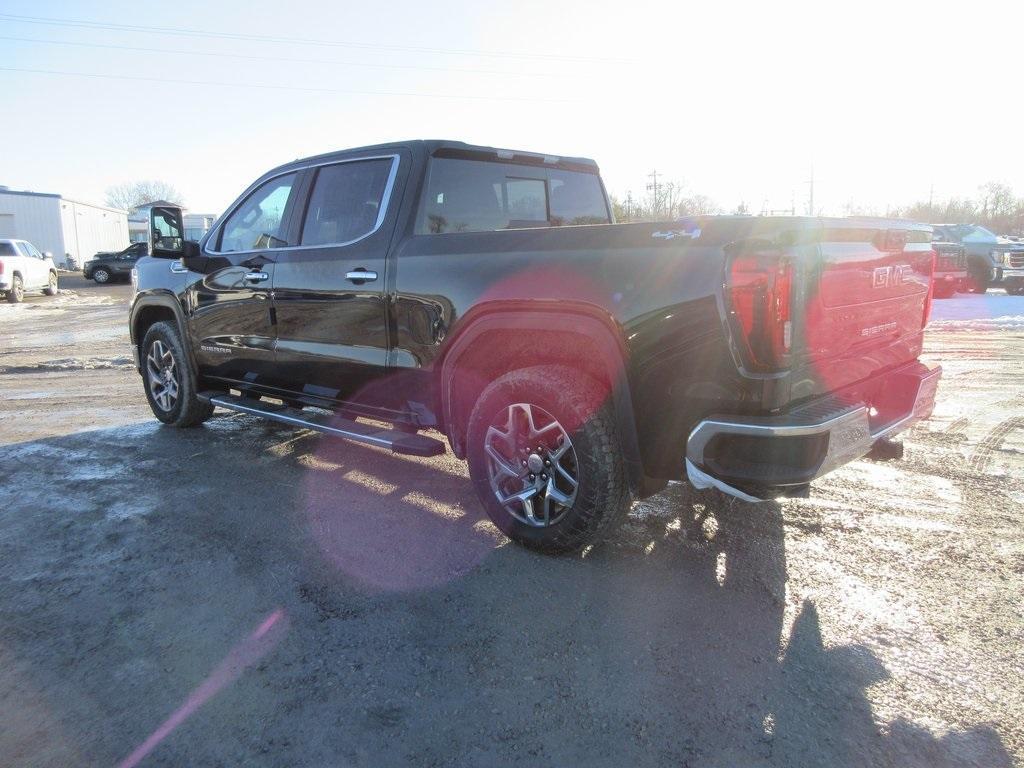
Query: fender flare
[[165, 300], [585, 320]]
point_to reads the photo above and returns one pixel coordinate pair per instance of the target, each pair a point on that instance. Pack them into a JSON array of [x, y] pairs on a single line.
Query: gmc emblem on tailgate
[[890, 277]]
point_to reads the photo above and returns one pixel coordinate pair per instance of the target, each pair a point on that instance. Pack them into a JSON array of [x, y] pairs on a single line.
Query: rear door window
[[347, 202], [24, 250]]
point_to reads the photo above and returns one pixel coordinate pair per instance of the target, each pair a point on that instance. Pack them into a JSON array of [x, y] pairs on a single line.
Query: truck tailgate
[[866, 303]]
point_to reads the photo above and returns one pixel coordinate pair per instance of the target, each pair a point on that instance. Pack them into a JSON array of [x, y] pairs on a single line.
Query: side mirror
[[47, 255], [167, 232], [192, 258]]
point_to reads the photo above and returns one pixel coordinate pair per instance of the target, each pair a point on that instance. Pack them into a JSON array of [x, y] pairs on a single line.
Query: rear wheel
[[545, 459], [17, 292], [51, 289], [169, 380], [101, 275]]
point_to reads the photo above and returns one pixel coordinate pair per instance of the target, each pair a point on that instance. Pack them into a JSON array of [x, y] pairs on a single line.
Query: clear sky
[[886, 100]]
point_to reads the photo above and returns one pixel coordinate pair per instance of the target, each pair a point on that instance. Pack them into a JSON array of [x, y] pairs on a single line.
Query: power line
[[269, 86], [274, 59], [186, 32]]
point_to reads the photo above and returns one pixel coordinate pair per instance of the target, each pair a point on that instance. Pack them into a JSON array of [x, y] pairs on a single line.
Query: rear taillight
[[1, 267], [760, 293], [931, 289]]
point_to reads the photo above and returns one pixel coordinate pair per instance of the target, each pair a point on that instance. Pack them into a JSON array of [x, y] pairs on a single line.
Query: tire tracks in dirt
[[993, 441]]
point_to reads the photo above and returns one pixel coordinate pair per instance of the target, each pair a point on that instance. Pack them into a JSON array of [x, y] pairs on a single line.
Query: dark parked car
[[991, 260], [113, 265], [484, 296]]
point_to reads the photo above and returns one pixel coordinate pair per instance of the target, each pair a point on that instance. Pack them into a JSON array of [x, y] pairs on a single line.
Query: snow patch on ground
[[123, 362], [993, 311]]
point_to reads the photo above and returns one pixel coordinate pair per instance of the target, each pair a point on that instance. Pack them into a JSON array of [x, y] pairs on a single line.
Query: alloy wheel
[[531, 465], [162, 374]]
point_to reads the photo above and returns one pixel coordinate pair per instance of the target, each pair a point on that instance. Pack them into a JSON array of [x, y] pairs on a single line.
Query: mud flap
[[702, 480]]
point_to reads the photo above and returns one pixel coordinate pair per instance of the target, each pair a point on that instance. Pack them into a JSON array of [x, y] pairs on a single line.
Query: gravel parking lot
[[248, 593]]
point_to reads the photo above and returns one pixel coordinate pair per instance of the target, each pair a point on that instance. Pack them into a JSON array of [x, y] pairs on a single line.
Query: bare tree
[[135, 193]]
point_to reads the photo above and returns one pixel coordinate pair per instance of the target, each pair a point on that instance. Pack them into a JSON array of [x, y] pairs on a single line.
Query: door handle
[[255, 277], [361, 275]]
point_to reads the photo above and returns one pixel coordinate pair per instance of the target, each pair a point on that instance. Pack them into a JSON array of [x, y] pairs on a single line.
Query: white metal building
[[65, 228]]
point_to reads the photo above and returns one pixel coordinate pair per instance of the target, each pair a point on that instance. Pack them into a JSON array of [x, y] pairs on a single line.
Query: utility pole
[[654, 187], [629, 205], [810, 202]]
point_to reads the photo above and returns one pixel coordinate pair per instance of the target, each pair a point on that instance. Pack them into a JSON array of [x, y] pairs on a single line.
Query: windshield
[[976, 234]]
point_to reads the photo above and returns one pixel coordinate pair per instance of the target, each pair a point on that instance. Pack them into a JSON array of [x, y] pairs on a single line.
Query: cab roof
[[450, 148]]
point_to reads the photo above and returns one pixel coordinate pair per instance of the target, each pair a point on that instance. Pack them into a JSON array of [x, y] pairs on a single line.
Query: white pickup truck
[[24, 268]]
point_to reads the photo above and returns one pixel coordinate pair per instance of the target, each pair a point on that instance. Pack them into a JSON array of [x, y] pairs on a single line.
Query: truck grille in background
[[1017, 259]]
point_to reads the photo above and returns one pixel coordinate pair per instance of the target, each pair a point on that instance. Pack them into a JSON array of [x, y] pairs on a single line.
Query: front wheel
[[17, 293], [170, 385], [51, 289], [545, 459], [101, 276], [944, 290]]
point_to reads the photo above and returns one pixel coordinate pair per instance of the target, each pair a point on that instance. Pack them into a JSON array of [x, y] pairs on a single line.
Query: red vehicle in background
[[950, 276]]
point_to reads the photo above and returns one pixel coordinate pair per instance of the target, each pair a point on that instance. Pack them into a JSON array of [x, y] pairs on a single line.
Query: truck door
[[36, 272], [229, 308], [330, 297]]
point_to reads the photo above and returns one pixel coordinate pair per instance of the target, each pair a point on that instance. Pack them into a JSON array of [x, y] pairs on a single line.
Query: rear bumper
[[757, 458]]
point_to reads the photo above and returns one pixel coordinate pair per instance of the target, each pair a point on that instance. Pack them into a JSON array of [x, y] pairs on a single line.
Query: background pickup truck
[[951, 275], [485, 296], [24, 268], [991, 260]]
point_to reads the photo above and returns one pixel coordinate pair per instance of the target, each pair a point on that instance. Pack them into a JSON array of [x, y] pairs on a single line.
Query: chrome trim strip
[[389, 186]]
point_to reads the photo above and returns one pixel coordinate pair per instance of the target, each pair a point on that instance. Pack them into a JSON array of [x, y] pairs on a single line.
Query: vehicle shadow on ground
[[135, 560]]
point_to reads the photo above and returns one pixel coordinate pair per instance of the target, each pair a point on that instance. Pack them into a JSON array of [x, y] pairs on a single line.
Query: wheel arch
[[154, 308], [492, 341]]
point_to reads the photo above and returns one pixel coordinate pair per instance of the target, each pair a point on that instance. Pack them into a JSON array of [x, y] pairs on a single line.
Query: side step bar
[[399, 442]]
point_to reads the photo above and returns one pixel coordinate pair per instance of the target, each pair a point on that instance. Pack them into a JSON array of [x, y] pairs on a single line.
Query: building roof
[[27, 193]]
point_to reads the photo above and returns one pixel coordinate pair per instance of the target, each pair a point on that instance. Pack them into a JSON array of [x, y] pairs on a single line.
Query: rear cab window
[[468, 195], [7, 249]]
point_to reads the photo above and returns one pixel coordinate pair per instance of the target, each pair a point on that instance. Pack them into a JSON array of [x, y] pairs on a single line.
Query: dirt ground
[[251, 594]]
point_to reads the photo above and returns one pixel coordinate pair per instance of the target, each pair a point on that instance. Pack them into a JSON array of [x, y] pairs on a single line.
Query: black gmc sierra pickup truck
[[398, 293]]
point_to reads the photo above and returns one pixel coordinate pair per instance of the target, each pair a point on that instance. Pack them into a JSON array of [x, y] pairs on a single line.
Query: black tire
[[944, 290], [581, 408], [184, 409], [17, 292], [101, 275], [52, 289], [978, 281], [1015, 290]]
